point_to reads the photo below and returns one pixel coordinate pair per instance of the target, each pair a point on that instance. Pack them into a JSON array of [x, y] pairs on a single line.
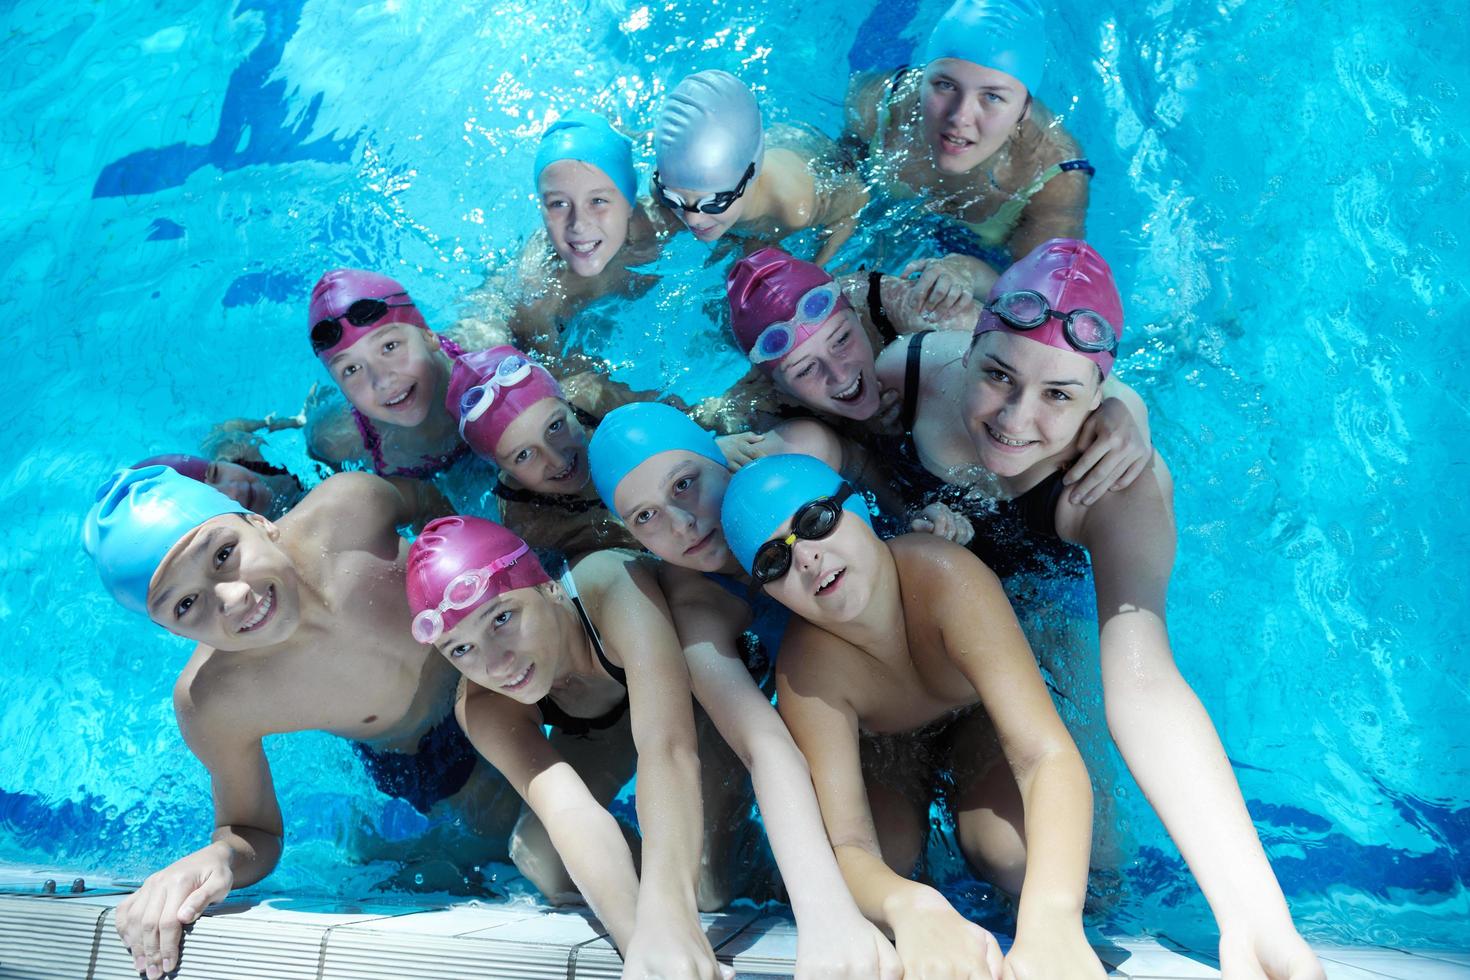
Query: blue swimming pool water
[[1281, 189]]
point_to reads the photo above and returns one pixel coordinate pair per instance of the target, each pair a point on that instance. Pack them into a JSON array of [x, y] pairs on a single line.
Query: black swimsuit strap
[[613, 670], [886, 330], [1037, 507], [911, 381]]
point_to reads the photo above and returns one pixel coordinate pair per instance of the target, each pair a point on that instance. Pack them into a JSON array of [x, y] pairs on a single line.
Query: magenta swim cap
[[766, 287], [194, 467], [509, 378], [1070, 275], [466, 558], [333, 296]]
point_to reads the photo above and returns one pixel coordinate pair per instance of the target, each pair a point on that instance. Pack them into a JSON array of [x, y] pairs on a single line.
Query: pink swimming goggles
[[462, 592], [783, 337], [476, 400]]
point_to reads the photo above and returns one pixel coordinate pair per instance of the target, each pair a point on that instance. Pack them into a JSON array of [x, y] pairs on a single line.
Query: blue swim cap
[[139, 515], [1007, 35], [708, 133], [629, 435], [589, 138], [765, 494]]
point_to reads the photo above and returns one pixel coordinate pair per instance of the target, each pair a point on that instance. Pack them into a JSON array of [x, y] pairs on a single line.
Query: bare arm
[[1166, 736], [634, 619], [244, 847], [833, 939], [928, 932], [587, 837], [1058, 210], [983, 639]]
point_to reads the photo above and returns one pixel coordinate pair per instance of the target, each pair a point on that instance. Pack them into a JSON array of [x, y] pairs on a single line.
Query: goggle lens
[[1023, 309]]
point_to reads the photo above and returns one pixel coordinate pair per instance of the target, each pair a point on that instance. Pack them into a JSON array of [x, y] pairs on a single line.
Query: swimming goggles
[[714, 204], [1026, 309], [462, 593], [326, 333], [780, 339], [811, 522], [476, 401]]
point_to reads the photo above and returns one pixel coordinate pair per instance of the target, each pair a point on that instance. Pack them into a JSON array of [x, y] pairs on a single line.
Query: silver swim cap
[[708, 133]]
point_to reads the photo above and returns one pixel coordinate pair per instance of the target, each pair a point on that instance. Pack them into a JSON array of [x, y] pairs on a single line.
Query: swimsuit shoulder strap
[[614, 671], [1037, 507], [886, 330], [371, 440], [911, 381]]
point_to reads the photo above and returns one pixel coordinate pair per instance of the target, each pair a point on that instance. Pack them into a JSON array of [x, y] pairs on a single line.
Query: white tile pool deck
[[66, 936]]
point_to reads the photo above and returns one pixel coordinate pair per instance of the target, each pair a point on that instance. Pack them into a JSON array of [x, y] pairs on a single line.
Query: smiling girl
[[374, 342], [595, 231], [1011, 402], [591, 654]]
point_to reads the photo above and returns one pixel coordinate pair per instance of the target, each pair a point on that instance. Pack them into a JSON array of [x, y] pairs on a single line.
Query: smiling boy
[[301, 624]]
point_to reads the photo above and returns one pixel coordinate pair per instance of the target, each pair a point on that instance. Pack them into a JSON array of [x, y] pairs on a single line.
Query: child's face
[[833, 370], [830, 580], [513, 644], [671, 504], [969, 112], [245, 487], [545, 449], [586, 216], [391, 375], [707, 227], [227, 584]]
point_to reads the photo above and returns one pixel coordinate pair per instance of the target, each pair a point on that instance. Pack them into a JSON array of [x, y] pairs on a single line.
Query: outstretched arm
[[633, 616], [929, 934], [1168, 741], [587, 838], [983, 639], [833, 940], [244, 848]]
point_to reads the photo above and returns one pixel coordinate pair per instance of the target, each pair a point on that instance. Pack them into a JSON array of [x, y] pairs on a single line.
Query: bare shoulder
[[605, 578], [812, 438], [939, 570], [1142, 511], [214, 698], [345, 510], [807, 652], [864, 93]]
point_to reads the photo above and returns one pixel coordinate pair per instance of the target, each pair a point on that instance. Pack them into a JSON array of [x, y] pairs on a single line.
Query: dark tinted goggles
[[327, 333], [811, 522], [714, 204], [1026, 309]]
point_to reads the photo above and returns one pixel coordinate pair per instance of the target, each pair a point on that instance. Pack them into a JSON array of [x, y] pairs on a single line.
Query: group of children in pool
[[987, 427]]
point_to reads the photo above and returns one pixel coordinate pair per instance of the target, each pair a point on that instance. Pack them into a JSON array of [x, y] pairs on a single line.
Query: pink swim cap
[[764, 288], [513, 394], [333, 296], [1070, 274], [452, 547], [194, 467]]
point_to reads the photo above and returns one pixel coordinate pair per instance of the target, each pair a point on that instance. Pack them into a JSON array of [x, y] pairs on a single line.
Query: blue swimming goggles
[[476, 401], [1026, 309], [780, 339]]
